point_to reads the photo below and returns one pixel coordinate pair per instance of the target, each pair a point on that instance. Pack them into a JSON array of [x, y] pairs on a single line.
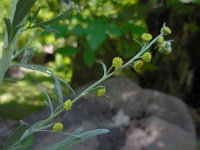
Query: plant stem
[[60, 108]]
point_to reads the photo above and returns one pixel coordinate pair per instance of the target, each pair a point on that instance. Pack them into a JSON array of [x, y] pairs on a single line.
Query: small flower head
[[146, 37], [165, 48], [166, 30], [167, 51], [117, 62], [146, 57], [58, 127], [138, 65], [160, 40], [68, 104], [101, 91]]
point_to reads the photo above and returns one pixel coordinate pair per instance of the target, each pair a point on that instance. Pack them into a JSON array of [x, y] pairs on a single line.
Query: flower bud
[[167, 50], [146, 57], [138, 65], [160, 40], [58, 127], [146, 37], [68, 104], [117, 62], [166, 30], [101, 91]]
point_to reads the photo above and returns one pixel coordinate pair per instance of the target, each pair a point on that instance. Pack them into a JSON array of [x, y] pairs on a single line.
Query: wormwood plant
[[16, 25]]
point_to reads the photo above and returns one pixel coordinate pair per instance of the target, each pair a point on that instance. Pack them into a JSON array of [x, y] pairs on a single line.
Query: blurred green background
[[101, 30]]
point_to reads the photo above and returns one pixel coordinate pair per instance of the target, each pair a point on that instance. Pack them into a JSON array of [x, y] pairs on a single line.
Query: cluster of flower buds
[[164, 46], [138, 64]]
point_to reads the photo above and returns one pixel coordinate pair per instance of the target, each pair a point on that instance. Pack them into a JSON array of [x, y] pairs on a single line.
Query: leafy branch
[[14, 29]]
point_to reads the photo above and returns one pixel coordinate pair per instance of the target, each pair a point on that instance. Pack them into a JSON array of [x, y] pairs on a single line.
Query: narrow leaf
[[48, 100], [63, 81], [34, 16], [47, 71], [58, 90], [15, 136], [52, 21], [22, 9], [104, 68], [9, 28], [69, 142]]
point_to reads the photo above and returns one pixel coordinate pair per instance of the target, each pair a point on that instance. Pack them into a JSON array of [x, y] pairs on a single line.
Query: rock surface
[[137, 118]]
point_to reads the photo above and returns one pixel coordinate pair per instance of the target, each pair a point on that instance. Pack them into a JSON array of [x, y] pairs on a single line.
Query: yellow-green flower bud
[[117, 62], [166, 30], [167, 50], [138, 65], [146, 37], [160, 40], [58, 127], [68, 104], [146, 57], [101, 92]]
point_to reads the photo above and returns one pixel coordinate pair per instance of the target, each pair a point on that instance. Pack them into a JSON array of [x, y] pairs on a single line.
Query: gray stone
[[131, 114], [156, 134]]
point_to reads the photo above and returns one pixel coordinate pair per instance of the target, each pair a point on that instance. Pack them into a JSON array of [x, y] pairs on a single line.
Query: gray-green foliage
[[16, 25]]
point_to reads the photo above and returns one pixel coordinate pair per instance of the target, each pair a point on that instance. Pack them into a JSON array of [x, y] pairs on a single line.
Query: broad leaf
[[113, 30], [89, 58], [67, 51], [96, 34]]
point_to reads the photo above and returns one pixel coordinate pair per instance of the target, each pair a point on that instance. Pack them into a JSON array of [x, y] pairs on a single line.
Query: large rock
[[137, 118]]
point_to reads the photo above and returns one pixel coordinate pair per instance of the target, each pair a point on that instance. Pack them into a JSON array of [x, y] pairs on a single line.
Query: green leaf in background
[[59, 30], [73, 140], [96, 34], [151, 67], [138, 29], [15, 136], [89, 58], [67, 51], [113, 30], [79, 31], [197, 1], [135, 29]]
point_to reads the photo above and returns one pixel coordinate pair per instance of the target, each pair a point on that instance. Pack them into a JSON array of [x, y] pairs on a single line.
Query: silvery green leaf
[[72, 140], [104, 68], [20, 130]]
